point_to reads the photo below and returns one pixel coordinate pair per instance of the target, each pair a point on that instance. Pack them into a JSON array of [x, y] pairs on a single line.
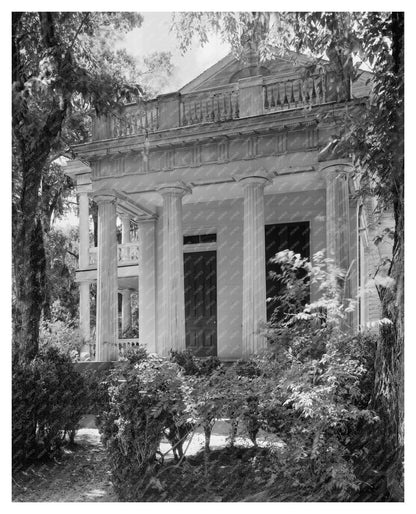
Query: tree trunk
[[32, 145], [389, 366], [28, 267]]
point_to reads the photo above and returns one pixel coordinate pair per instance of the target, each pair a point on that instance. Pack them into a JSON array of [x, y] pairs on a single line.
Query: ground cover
[[81, 473]]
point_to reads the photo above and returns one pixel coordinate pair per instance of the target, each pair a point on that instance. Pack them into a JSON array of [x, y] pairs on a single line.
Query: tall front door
[[201, 302]]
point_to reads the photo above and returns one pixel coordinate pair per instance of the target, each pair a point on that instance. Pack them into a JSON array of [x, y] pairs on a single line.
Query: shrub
[[323, 382], [47, 404], [60, 332], [145, 399]]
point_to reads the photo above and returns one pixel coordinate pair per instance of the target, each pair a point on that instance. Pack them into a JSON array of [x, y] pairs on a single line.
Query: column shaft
[[173, 277], [106, 349], [338, 218], [147, 285], [125, 310], [84, 241], [125, 229], [254, 266], [84, 310]]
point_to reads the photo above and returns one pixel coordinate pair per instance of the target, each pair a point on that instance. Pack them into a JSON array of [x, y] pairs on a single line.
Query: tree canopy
[[64, 66]]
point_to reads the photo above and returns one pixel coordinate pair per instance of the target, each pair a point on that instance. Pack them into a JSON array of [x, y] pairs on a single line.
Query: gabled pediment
[[229, 70]]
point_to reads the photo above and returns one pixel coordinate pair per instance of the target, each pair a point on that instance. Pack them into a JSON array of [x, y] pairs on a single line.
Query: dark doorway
[[279, 237], [201, 302]]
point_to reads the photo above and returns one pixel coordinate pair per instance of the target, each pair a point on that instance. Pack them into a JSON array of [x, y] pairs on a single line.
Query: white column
[[84, 287], [84, 224], [106, 332], [125, 229], [338, 216], [125, 309], [338, 231], [173, 295], [254, 264], [147, 284]]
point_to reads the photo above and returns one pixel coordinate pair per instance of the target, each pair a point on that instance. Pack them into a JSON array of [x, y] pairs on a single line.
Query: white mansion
[[217, 178]]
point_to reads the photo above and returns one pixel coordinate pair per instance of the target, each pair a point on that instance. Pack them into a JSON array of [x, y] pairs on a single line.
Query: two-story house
[[217, 177]]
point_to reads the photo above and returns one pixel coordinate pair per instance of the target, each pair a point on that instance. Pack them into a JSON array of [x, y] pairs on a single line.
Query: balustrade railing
[[220, 104], [123, 345], [209, 106], [290, 94], [135, 119], [127, 253]]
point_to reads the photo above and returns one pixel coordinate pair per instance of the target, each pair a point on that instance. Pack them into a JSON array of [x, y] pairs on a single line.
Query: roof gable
[[229, 69]]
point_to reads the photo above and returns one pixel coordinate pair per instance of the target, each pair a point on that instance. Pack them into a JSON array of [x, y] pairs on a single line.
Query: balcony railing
[[295, 93], [123, 345], [247, 97], [127, 253], [209, 106]]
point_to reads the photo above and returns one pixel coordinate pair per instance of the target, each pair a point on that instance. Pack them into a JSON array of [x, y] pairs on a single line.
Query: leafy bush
[[60, 332], [145, 398], [323, 382], [192, 365], [47, 404]]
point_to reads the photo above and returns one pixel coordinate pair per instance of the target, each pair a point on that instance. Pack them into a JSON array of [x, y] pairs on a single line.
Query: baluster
[[139, 118], [224, 104], [128, 124], [149, 117], [285, 99], [196, 118], [318, 90], [218, 103], [306, 91], [272, 101], [154, 117], [144, 116], [190, 119], [183, 114], [278, 101], [313, 95], [134, 123], [265, 95], [201, 112], [292, 96]]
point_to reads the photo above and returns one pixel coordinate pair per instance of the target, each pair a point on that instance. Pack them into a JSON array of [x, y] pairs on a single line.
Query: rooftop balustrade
[[252, 96]]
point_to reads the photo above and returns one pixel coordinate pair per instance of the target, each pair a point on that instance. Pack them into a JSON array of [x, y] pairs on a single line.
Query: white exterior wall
[[226, 219]]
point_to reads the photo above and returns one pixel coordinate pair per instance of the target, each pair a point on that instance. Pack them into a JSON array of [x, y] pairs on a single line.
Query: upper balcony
[[253, 96]]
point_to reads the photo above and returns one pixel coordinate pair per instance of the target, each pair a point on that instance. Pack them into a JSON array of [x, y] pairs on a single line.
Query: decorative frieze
[[196, 154], [223, 150], [312, 133], [213, 150], [252, 146]]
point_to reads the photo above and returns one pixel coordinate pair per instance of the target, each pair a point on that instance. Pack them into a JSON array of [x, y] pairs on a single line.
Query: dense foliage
[[65, 65], [60, 332], [305, 405], [47, 405], [146, 398], [372, 138]]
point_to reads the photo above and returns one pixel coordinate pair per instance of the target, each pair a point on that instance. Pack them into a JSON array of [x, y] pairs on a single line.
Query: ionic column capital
[[333, 169], [257, 178], [101, 198], [174, 189]]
